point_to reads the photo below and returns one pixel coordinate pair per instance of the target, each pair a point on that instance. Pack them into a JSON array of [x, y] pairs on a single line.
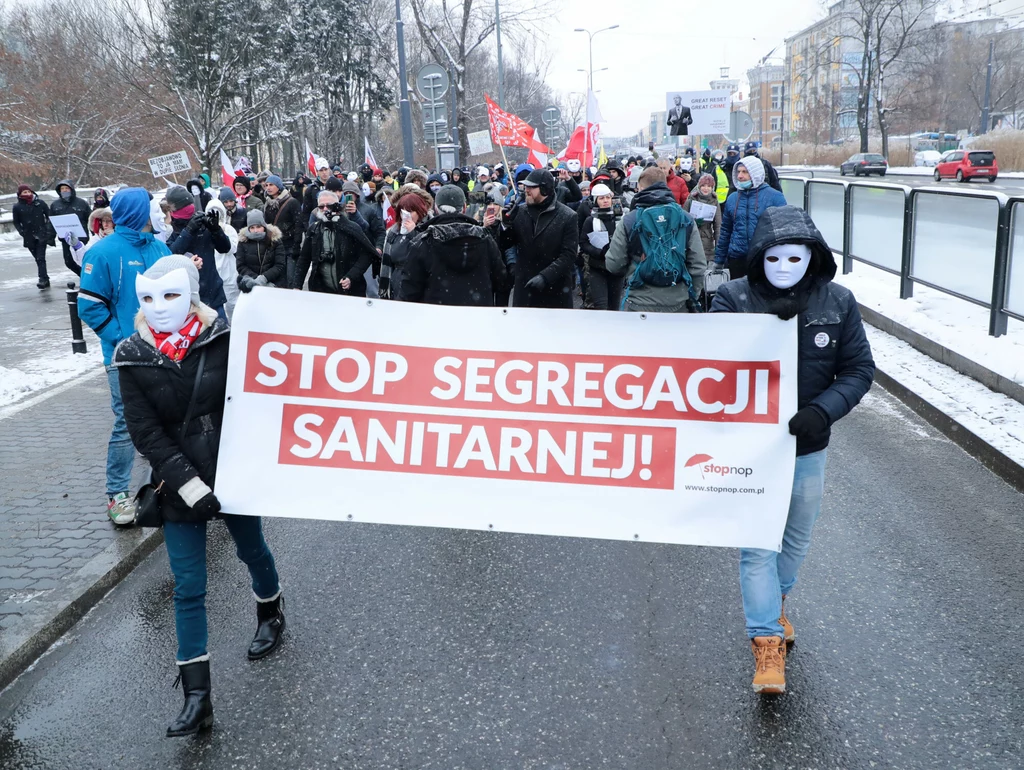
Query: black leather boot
[[270, 617], [197, 713]]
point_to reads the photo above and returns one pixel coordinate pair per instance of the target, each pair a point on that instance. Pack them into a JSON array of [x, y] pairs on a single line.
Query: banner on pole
[[662, 428], [165, 165]]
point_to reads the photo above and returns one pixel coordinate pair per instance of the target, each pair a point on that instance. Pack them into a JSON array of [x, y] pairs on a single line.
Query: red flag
[[227, 169], [511, 130], [390, 217]]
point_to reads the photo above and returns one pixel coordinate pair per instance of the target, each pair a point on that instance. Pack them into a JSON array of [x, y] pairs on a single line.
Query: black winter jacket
[[309, 197], [395, 260], [352, 254], [237, 218], [156, 393], [74, 205], [834, 364], [595, 256], [454, 261], [285, 213], [194, 237], [265, 257], [548, 248], [32, 221]]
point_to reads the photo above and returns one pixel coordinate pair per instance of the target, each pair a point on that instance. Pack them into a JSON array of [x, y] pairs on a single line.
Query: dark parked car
[[965, 165], [865, 163]]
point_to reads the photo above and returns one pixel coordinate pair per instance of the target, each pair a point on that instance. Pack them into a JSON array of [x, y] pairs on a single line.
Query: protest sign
[[480, 142], [67, 223], [656, 427], [165, 165], [690, 113]]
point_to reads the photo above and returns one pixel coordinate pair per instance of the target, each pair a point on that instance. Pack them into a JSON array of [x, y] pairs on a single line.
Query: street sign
[[165, 165], [432, 82], [551, 115], [741, 126]]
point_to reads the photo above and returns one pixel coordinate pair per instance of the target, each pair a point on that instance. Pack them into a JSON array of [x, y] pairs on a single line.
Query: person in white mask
[[413, 207], [173, 377], [790, 275]]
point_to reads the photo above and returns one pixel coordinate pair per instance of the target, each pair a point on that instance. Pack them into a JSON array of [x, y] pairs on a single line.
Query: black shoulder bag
[[147, 500]]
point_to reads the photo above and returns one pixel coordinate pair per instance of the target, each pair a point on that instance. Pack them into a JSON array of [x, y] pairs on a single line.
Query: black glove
[[808, 422], [245, 283], [213, 220], [195, 224], [537, 283], [382, 288], [207, 505]]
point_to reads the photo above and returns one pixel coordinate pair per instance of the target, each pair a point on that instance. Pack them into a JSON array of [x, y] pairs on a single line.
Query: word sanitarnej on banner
[[667, 428]]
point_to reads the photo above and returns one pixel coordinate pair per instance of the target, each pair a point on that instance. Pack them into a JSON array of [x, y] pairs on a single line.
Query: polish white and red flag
[[227, 168], [368, 154], [512, 131], [310, 160], [390, 217]]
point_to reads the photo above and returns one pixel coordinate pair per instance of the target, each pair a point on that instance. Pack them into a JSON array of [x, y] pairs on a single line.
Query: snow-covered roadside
[[996, 419], [44, 372], [953, 323]]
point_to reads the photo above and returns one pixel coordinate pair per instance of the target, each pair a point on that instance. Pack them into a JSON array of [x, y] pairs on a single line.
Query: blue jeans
[[766, 575], [186, 550], [120, 449]]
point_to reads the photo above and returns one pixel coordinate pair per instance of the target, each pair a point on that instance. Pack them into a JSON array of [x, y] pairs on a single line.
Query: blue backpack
[[664, 234]]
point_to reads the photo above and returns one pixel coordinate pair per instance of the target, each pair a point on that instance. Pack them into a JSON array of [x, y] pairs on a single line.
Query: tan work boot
[[787, 628], [770, 660]]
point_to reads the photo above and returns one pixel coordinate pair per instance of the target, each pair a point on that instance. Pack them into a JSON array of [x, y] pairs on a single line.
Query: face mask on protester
[[746, 184], [165, 301], [686, 164], [256, 235], [407, 222], [27, 197], [785, 265], [65, 194], [434, 188]]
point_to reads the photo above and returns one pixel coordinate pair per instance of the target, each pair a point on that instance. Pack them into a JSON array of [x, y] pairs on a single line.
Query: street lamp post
[[590, 36], [590, 77]]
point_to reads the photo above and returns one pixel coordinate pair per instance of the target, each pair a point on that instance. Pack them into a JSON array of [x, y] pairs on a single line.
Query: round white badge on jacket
[[821, 339]]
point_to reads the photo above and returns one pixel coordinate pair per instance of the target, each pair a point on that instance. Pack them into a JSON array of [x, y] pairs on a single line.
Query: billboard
[[697, 112]]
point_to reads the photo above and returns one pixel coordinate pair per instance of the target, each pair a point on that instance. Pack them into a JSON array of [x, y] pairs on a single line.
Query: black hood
[[657, 194], [789, 224], [455, 236], [69, 183]]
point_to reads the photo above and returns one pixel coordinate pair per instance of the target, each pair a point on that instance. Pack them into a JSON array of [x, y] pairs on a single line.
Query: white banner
[[480, 142], [664, 428], [165, 165], [697, 113]]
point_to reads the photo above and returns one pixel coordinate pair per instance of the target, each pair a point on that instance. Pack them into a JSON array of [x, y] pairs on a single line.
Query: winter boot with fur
[[270, 619]]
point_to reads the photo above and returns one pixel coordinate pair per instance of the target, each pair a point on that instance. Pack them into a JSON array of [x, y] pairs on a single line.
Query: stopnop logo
[[708, 467]]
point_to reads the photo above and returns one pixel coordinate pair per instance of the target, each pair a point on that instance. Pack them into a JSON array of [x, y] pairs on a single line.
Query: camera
[[335, 210]]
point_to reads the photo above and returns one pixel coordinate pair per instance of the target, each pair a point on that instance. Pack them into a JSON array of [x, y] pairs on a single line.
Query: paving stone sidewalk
[[58, 551]]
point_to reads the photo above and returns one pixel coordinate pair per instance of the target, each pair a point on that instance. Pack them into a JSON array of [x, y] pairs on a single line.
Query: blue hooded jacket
[[742, 210], [106, 300]]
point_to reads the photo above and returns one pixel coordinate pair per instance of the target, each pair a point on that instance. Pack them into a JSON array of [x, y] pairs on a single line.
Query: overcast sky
[[665, 45]]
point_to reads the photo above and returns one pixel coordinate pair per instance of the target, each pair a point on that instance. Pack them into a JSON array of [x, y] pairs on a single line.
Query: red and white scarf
[[175, 345]]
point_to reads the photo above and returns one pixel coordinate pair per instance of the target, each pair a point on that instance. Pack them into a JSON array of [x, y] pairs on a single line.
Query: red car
[[965, 165]]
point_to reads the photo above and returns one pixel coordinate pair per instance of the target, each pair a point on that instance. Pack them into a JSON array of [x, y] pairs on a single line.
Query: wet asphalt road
[[419, 648], [1006, 185]]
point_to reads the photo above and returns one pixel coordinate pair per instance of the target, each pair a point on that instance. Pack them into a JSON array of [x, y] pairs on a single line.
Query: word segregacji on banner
[[663, 428]]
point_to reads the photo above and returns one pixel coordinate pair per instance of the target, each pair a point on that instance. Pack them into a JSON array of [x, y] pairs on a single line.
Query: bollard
[[77, 340]]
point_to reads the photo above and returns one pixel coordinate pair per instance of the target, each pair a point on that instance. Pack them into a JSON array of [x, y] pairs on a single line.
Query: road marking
[[56, 390]]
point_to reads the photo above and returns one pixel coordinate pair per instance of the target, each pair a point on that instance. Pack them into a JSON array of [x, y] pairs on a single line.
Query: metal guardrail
[[962, 243]]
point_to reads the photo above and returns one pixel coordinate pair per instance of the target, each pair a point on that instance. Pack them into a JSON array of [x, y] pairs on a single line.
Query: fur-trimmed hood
[[96, 215], [411, 189], [273, 232]]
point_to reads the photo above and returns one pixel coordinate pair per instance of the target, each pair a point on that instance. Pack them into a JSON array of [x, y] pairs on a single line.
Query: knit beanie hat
[[275, 180], [450, 199], [333, 184], [25, 188], [242, 180], [168, 264], [351, 187], [263, 176], [255, 217], [226, 194], [600, 189], [178, 197]]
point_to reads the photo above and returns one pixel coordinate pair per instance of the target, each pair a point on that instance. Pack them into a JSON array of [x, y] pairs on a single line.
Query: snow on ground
[[40, 373], [953, 323], [993, 417]]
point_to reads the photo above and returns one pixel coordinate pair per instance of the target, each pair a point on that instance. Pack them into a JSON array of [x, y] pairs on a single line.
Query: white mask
[[785, 265], [686, 164], [163, 312]]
